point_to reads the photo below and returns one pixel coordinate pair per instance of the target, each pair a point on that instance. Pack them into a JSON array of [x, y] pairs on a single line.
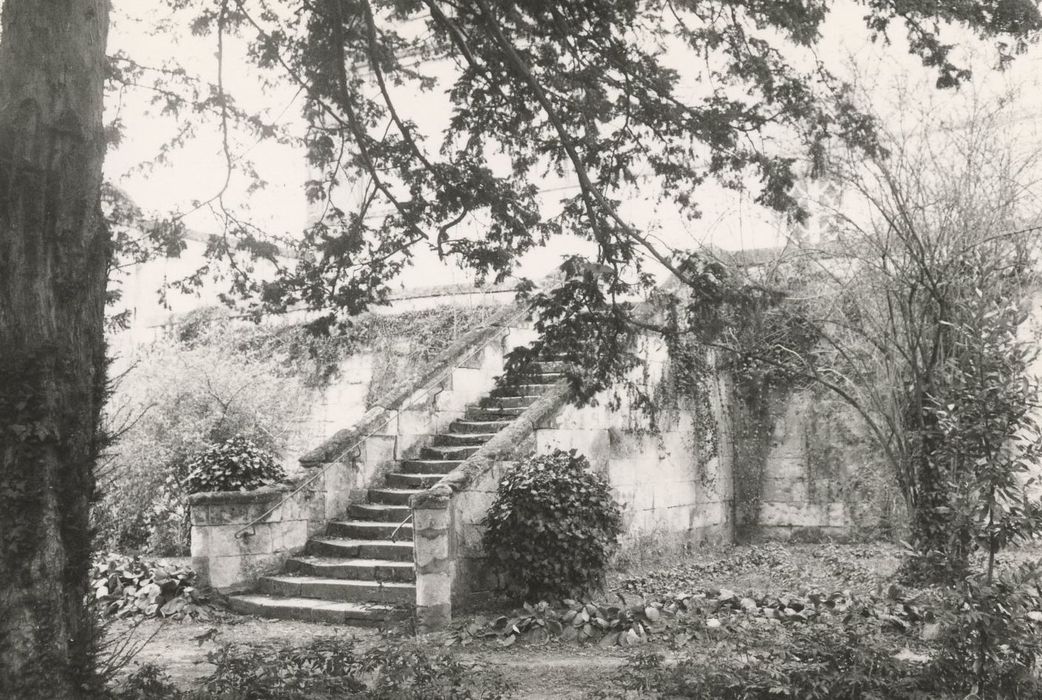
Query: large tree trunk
[[53, 259]]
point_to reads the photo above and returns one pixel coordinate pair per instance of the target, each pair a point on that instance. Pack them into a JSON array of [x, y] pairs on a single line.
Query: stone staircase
[[361, 572]]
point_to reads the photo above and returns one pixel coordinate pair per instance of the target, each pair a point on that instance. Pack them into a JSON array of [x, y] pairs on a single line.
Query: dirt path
[[547, 672], [180, 648]]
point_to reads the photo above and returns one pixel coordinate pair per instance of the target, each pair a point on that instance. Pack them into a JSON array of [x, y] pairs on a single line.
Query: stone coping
[[261, 495], [503, 446], [379, 415]]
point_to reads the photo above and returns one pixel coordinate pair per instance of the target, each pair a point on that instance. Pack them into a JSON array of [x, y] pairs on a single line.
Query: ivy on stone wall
[[751, 327], [403, 342], [687, 384]]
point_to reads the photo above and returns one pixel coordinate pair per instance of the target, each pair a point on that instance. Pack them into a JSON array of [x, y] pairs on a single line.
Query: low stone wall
[[228, 553]]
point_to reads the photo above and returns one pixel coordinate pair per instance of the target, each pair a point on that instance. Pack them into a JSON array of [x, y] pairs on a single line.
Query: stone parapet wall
[[458, 504]]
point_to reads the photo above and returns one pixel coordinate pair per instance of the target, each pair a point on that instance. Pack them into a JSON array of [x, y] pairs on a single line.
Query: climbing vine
[[748, 325], [313, 352]]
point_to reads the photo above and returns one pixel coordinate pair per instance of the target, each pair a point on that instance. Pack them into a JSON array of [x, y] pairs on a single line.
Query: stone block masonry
[[229, 561], [432, 523]]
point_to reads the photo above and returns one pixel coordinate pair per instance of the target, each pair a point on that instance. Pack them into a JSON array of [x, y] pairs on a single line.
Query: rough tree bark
[[53, 255]]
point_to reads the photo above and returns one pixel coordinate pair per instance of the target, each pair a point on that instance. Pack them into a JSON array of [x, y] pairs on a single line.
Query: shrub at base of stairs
[[552, 527]]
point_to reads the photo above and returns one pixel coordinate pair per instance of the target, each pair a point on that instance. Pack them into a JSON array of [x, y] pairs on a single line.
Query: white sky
[[730, 221]]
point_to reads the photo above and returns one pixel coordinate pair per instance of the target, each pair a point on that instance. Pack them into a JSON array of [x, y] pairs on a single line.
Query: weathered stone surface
[[433, 589], [428, 551], [431, 518], [337, 447], [265, 494], [430, 618], [313, 610]]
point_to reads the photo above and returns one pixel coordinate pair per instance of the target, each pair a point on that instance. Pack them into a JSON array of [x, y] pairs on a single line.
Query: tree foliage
[[584, 92]]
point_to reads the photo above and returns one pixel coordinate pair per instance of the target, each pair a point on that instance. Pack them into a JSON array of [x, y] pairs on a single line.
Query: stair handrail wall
[[505, 443], [434, 542], [440, 369], [436, 550]]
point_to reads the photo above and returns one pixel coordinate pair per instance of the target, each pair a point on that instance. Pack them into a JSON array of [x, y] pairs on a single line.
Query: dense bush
[[553, 527], [989, 644], [234, 465]]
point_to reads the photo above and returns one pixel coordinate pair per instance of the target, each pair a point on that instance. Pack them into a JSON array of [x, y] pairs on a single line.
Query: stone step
[[356, 569], [447, 452], [370, 530], [391, 497], [428, 466], [400, 480], [341, 590], [549, 366], [539, 378], [478, 426], [479, 413], [378, 511], [343, 548], [462, 439], [520, 390], [499, 402], [314, 610]]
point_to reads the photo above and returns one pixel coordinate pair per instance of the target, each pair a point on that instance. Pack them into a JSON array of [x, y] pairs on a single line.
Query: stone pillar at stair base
[[229, 561], [432, 533]]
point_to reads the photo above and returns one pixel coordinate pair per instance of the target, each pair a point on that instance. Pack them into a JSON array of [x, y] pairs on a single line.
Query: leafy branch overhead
[[587, 93]]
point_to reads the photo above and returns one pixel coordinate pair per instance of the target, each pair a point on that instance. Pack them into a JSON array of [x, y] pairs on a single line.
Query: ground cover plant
[[124, 586], [825, 621]]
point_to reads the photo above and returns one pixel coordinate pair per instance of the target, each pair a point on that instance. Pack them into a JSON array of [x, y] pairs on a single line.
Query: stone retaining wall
[[672, 479]]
